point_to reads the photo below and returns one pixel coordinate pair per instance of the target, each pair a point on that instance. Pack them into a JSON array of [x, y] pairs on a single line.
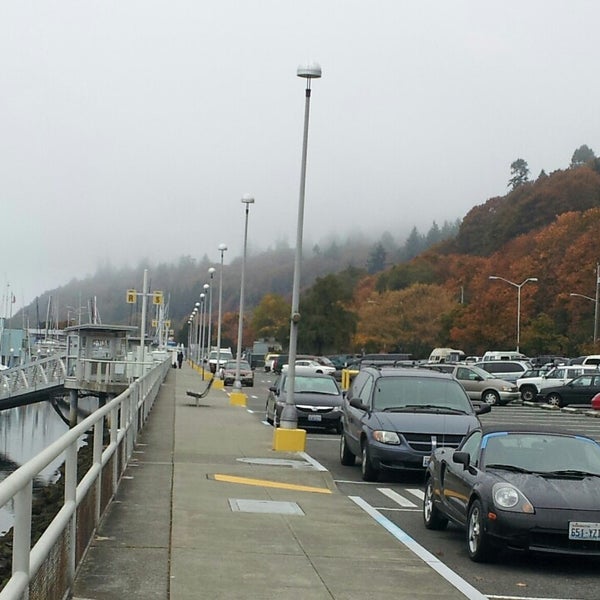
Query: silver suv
[[479, 384], [509, 370]]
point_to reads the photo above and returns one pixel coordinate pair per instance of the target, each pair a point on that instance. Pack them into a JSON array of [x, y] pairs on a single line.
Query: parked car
[[309, 366], [479, 384], [530, 387], [580, 390], [228, 373], [394, 417], [269, 358], [222, 356], [521, 487], [317, 397], [283, 359], [509, 370]]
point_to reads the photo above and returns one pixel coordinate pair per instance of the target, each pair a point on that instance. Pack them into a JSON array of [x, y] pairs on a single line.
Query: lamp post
[[595, 301], [197, 334], [205, 340], [211, 272], [518, 286], [222, 248], [201, 328], [289, 414], [247, 199]]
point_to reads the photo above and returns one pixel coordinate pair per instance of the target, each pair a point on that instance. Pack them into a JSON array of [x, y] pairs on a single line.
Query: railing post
[[22, 532], [70, 499], [97, 461]]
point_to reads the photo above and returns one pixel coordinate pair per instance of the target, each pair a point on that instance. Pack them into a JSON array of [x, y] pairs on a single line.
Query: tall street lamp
[[205, 341], [237, 397], [289, 414], [201, 326], [211, 272], [222, 248], [197, 335], [595, 301], [518, 286]]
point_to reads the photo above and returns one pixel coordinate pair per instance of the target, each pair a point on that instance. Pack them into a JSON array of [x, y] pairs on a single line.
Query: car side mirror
[[481, 408], [356, 403], [461, 458], [478, 378], [273, 389]]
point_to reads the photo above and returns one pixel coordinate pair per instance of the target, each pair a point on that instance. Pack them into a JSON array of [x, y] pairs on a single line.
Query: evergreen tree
[[519, 169], [582, 156], [376, 260]]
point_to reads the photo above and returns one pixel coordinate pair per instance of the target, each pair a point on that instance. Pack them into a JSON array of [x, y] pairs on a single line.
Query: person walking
[[179, 358]]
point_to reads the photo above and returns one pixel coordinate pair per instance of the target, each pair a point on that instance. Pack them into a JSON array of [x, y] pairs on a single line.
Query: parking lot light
[[518, 286]]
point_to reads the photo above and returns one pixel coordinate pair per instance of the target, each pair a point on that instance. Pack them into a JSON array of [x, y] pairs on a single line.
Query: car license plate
[[426, 460], [584, 531], [314, 417]]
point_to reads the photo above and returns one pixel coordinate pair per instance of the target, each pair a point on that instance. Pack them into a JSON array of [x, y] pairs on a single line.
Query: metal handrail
[[126, 415]]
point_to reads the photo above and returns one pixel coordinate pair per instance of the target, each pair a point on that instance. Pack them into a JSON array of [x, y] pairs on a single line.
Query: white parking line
[[453, 578], [418, 493], [397, 498]]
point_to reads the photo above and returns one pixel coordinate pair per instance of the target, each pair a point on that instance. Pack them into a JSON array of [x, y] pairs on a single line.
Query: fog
[[132, 129]]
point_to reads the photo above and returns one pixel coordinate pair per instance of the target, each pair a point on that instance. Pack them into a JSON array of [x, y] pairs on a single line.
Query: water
[[27, 430]]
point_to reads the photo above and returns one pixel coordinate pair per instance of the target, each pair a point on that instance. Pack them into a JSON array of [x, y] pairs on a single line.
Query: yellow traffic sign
[[131, 296]]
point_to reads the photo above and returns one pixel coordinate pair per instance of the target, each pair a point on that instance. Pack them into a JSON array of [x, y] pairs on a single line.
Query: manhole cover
[[264, 506]]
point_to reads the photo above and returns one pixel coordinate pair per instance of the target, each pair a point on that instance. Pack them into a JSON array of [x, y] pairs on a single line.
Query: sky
[[131, 129]]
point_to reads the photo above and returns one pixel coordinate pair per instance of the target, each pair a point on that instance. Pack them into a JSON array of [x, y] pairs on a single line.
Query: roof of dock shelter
[[100, 328]]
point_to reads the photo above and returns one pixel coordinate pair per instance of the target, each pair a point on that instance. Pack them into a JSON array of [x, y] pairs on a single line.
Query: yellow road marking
[[270, 484]]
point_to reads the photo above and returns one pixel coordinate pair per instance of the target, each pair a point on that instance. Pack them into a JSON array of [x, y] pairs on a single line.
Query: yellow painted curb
[[218, 384], [289, 440], [238, 398], [270, 484]]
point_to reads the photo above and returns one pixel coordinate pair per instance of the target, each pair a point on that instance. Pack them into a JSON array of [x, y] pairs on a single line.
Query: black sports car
[[524, 488]]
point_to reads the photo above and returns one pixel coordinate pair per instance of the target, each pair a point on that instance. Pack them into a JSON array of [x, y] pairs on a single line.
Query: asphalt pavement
[[207, 509]]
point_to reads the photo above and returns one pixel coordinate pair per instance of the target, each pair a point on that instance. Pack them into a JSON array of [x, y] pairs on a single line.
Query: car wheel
[[432, 517], [491, 397], [369, 472], [346, 457], [528, 393], [478, 541], [555, 400]]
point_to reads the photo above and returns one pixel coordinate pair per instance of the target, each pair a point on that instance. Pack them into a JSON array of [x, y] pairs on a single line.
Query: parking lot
[[399, 498]]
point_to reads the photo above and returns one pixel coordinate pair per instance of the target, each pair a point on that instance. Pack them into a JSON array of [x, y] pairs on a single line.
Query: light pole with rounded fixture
[[289, 414], [211, 272], [518, 286], [197, 335], [222, 248], [205, 341], [201, 327], [237, 396]]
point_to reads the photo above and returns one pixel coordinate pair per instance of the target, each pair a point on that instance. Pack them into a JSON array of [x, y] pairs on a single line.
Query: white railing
[[36, 376], [39, 571]]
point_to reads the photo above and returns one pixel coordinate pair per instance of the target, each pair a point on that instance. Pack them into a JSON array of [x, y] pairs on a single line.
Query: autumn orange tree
[[409, 320]]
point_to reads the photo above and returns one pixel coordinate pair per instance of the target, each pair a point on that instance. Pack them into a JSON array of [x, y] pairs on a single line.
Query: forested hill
[[528, 207]]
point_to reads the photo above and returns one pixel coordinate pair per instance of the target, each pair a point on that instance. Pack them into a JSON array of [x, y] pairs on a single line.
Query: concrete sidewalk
[[201, 513]]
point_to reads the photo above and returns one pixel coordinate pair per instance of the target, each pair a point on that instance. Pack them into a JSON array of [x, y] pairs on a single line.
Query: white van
[[503, 355], [592, 359], [446, 355]]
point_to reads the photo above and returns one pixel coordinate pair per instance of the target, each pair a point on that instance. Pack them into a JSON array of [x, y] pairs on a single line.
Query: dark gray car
[[393, 418], [317, 397]]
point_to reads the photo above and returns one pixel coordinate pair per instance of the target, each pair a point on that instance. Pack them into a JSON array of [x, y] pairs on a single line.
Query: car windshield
[[543, 453], [315, 385], [398, 393]]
